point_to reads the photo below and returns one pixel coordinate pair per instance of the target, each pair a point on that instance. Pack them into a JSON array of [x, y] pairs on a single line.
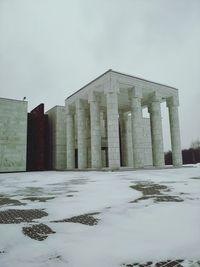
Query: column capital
[[155, 97], [80, 104], [93, 97], [69, 110], [135, 92], [111, 87], [172, 101]]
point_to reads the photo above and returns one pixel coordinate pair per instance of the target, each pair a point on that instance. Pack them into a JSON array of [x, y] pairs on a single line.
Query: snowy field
[[133, 217]]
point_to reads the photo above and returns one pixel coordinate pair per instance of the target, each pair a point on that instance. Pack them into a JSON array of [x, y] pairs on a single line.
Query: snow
[[126, 232]]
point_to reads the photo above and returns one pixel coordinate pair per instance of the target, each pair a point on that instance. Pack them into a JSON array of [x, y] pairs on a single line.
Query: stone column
[[137, 127], [156, 131], [95, 127], [104, 140], [88, 137], [81, 134], [172, 104], [70, 139], [128, 141], [113, 129]]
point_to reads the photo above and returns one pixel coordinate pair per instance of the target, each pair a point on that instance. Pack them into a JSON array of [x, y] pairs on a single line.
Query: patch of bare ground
[[167, 263], [39, 199], [38, 232], [14, 216], [87, 219], [10, 201], [154, 191]]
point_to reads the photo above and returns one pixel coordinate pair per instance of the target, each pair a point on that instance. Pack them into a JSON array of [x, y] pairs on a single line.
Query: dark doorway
[[76, 158], [120, 145]]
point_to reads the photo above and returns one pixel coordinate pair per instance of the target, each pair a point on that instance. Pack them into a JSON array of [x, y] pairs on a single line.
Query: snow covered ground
[[146, 215]]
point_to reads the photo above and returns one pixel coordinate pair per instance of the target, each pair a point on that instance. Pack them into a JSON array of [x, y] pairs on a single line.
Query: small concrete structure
[[13, 135], [105, 126]]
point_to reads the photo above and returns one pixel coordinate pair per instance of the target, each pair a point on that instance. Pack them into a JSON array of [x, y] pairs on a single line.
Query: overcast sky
[[51, 48]]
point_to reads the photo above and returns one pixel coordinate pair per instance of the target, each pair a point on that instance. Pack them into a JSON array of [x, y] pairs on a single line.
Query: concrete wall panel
[[57, 122], [13, 135]]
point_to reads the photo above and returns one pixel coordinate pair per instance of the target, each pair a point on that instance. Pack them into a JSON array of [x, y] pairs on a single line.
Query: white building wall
[[13, 135], [57, 121]]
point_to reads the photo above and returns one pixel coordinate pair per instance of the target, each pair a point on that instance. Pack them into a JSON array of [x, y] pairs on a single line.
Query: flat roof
[[10, 99], [56, 106]]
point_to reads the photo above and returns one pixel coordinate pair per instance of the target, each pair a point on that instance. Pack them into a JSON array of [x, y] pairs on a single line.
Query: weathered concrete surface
[[13, 135], [57, 122], [121, 95], [147, 155], [172, 105]]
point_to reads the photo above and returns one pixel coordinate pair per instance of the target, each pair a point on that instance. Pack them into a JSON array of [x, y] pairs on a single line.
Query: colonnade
[[132, 151]]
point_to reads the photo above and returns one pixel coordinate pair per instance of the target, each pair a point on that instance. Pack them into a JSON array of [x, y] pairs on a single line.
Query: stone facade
[[101, 126], [105, 126], [57, 123], [13, 135]]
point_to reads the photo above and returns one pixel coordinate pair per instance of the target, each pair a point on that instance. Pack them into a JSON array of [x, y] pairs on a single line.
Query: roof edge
[[121, 73], [11, 99], [90, 83], [54, 107], [142, 79]]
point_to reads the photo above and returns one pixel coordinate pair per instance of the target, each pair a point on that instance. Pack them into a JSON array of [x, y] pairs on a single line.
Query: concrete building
[[105, 125], [13, 135], [100, 126]]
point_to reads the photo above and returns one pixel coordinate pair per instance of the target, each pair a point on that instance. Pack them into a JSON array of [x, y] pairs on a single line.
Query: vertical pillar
[[95, 132], [113, 129], [88, 138], [70, 139], [172, 104], [156, 131], [81, 134], [128, 141], [103, 124], [104, 151], [137, 127]]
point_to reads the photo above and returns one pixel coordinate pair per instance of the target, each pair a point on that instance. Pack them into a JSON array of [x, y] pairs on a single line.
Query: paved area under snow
[[100, 219]]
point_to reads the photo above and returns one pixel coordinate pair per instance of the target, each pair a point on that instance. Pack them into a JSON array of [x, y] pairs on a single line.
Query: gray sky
[[51, 48]]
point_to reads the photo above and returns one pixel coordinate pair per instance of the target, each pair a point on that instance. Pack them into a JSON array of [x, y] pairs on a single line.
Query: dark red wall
[[38, 140]]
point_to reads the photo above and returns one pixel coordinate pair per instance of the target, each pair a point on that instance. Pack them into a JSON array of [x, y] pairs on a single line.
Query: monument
[[101, 126], [98, 118]]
